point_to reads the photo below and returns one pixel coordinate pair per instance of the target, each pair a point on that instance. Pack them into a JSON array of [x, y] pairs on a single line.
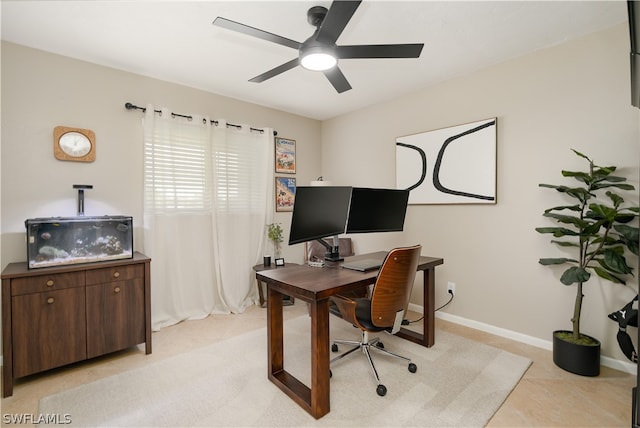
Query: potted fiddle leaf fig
[[601, 231]]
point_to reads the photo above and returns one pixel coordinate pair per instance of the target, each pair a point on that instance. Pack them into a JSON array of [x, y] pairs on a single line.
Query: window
[[177, 174]]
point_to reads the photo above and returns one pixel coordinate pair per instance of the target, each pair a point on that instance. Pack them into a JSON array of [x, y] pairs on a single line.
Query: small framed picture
[[279, 262], [285, 193], [285, 156]]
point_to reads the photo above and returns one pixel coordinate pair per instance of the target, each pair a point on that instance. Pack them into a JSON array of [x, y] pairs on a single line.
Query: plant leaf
[[625, 218], [604, 172], [615, 261], [630, 232], [569, 219], [579, 193], [599, 211], [565, 243], [581, 155], [573, 275], [604, 185], [602, 273], [552, 186], [628, 236], [578, 175], [564, 207], [558, 232], [556, 261], [616, 199]]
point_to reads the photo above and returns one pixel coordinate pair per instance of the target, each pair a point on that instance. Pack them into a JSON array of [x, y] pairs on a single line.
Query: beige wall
[[575, 95], [41, 90]]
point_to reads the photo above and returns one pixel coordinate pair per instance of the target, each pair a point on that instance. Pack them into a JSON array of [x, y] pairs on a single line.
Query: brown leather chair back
[[392, 290]]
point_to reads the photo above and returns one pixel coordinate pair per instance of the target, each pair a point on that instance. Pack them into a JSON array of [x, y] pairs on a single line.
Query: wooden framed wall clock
[[74, 144]]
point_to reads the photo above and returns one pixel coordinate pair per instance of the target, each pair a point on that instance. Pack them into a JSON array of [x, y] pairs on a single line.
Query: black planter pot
[[580, 359]]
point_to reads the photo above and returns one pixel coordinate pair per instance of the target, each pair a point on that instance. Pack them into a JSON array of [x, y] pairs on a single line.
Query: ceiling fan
[[320, 52]]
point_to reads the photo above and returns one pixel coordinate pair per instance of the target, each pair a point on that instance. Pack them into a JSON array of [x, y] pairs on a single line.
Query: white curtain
[[208, 198]]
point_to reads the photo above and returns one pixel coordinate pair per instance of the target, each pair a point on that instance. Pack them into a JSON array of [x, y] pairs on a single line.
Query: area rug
[[459, 383]]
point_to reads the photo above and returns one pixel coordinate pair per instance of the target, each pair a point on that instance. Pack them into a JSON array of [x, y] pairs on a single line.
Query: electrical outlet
[[451, 288]]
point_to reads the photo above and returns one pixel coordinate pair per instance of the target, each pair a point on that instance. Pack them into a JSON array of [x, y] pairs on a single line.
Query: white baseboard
[[523, 338]]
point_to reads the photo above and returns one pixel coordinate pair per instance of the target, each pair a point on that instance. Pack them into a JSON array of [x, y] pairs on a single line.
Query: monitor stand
[[333, 252]]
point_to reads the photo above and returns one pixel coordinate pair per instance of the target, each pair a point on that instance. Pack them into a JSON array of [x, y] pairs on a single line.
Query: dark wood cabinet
[[48, 330], [56, 316]]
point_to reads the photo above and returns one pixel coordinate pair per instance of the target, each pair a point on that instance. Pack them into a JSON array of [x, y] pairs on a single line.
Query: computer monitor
[[319, 212], [377, 210]]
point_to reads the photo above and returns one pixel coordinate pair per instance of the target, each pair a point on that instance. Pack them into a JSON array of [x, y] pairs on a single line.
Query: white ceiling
[[175, 41]]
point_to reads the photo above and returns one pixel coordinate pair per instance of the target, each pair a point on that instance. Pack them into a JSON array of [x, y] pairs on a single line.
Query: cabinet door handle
[[117, 289], [116, 274], [50, 300], [50, 283]]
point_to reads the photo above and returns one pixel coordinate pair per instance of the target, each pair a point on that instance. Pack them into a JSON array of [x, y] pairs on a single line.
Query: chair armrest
[[346, 306]]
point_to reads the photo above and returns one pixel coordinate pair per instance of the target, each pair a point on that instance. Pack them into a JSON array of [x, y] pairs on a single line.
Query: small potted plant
[[596, 226], [274, 232]]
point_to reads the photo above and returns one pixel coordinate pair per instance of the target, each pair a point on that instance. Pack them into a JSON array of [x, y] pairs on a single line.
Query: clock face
[[75, 144]]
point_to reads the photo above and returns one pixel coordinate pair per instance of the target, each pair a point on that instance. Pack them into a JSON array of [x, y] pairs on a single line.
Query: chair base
[[366, 345]]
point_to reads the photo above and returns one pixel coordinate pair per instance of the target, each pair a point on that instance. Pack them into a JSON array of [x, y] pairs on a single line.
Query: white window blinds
[[178, 167], [188, 163], [239, 162]]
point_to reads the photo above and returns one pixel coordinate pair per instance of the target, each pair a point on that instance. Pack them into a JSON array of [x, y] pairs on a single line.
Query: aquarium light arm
[[81, 188]]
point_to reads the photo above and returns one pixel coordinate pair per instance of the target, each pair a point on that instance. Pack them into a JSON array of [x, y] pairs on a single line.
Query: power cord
[[407, 322]]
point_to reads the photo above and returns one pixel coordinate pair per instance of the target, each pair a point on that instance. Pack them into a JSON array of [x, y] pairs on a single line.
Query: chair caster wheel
[[413, 368], [334, 348], [380, 345], [381, 390]]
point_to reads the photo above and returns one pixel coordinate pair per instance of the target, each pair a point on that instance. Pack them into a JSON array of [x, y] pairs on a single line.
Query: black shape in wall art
[[454, 165]]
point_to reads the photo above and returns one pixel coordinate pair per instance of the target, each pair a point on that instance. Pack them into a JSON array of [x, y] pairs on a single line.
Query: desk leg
[[275, 334], [429, 292], [262, 305], [320, 387], [428, 321], [314, 400]]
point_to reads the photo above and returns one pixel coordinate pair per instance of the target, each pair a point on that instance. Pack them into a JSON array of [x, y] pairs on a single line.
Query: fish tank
[[56, 241]]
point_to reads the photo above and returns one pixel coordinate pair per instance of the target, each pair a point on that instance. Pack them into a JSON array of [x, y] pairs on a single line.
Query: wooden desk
[[286, 300], [315, 286]]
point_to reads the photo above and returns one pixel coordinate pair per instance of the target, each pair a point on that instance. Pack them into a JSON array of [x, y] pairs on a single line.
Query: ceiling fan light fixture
[[319, 52], [317, 59]]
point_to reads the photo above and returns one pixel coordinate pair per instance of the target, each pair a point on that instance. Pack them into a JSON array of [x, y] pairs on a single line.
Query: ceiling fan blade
[[275, 71], [380, 51], [338, 16], [255, 32], [337, 79]]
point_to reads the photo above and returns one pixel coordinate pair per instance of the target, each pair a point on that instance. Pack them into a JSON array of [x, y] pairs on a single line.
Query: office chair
[[383, 311]]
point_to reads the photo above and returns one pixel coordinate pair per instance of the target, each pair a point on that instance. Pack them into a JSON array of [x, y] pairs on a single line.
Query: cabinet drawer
[[118, 273], [47, 282]]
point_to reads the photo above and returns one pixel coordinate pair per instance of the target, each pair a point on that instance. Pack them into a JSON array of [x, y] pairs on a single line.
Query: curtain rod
[[130, 106]]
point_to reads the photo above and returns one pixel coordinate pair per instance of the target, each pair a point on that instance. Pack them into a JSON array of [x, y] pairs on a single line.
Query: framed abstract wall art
[[454, 165], [285, 193], [285, 156]]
